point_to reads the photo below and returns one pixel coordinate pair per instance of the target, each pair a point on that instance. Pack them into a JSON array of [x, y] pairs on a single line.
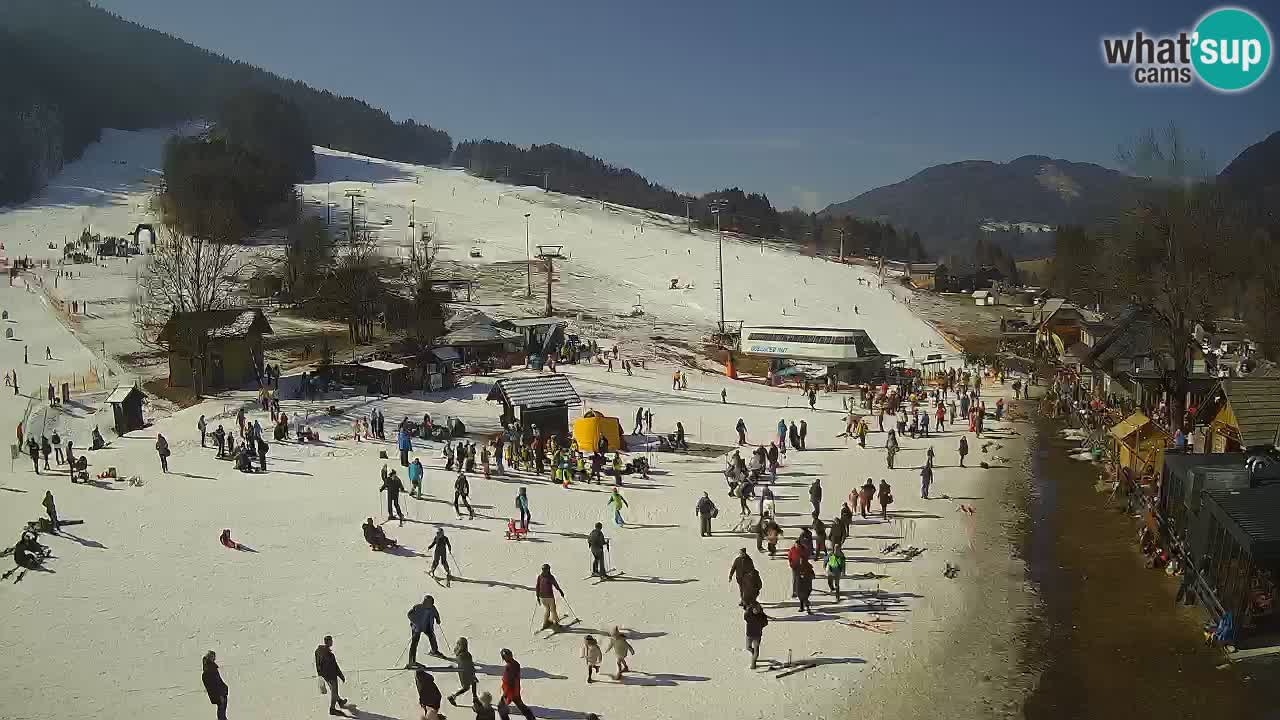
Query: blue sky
[[811, 102]]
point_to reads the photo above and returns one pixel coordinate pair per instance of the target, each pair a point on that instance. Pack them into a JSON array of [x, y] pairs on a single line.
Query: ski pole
[[455, 560]]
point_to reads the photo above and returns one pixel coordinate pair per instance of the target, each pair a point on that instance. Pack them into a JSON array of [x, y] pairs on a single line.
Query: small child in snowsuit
[[591, 651], [621, 649]]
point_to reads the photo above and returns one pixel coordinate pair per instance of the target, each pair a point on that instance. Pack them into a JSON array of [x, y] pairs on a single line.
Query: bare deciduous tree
[[185, 273]]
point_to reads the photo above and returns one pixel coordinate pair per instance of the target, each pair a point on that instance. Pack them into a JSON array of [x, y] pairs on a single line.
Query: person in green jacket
[[835, 570], [617, 502]]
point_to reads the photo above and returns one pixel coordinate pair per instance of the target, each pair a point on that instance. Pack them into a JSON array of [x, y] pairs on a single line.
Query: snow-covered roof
[[980, 294], [446, 354], [122, 393], [479, 334], [535, 391], [533, 322], [218, 324], [383, 365]]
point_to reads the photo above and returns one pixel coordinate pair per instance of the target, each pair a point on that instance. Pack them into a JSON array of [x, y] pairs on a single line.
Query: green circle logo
[[1231, 49]]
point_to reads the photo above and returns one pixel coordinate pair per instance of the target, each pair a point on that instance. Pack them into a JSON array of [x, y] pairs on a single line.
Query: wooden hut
[[541, 400], [126, 406]]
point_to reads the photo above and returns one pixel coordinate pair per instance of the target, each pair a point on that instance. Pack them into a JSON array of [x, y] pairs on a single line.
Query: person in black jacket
[[440, 545], [328, 670], [391, 483], [756, 621], [597, 542], [213, 684], [741, 571], [428, 694], [705, 510], [375, 536], [461, 489], [815, 495]]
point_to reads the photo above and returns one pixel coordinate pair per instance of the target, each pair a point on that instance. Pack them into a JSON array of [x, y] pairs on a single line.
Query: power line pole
[[527, 261], [841, 231], [546, 181], [716, 207], [688, 223]]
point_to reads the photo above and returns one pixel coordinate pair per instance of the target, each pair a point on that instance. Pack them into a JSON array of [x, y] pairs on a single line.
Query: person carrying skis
[[522, 506], [440, 543], [391, 484], [815, 495], [415, 478], [597, 542], [706, 510], [328, 671], [466, 671], [423, 618], [617, 502], [461, 489], [544, 592]]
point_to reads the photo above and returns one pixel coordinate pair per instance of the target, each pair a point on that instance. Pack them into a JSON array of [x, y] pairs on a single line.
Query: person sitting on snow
[[98, 442], [244, 460], [374, 535], [28, 552]]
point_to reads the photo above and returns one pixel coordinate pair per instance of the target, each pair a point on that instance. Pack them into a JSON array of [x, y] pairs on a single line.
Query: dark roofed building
[[126, 408], [1242, 413], [224, 345], [541, 400]]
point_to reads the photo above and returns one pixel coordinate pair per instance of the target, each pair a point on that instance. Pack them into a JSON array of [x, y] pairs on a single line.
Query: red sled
[[515, 532]]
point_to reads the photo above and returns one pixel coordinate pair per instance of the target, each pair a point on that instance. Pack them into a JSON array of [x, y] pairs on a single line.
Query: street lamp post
[[527, 264]]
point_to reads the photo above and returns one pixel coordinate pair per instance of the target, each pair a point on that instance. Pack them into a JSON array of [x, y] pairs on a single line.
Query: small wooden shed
[[126, 406], [542, 400]]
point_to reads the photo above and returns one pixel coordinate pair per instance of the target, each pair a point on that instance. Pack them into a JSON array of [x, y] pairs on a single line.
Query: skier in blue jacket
[[405, 444], [415, 478]]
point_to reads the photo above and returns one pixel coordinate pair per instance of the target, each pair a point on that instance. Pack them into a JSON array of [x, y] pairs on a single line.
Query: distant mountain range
[[946, 203], [1257, 169]]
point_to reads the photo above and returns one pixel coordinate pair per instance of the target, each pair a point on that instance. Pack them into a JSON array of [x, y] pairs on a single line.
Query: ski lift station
[[848, 353]]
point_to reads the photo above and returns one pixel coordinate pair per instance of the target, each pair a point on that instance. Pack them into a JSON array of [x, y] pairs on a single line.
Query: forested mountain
[[947, 203], [71, 69], [572, 171], [1256, 171]]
